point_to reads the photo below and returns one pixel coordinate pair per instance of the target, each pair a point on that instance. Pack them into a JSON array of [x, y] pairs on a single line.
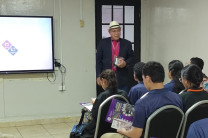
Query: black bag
[[78, 129]]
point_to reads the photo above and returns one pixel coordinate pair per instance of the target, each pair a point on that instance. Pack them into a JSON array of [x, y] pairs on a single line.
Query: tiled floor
[[42, 130]]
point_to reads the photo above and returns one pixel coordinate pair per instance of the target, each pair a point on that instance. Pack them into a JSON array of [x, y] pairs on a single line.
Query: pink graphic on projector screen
[[9, 47]]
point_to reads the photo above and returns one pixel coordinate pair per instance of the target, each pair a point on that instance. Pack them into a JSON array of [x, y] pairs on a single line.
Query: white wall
[[174, 29], [32, 96]]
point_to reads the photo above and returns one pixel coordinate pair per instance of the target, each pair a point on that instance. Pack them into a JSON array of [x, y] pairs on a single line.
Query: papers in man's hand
[[120, 123], [87, 105], [121, 110]]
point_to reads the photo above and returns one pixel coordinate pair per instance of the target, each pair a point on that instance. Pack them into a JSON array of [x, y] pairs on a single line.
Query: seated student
[[198, 129], [191, 77], [197, 61], [137, 91], [153, 77], [200, 63], [109, 84], [204, 83], [174, 74]]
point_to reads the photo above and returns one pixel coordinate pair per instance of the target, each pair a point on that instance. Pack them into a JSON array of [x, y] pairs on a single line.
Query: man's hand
[[99, 81], [122, 63], [121, 131], [134, 132]]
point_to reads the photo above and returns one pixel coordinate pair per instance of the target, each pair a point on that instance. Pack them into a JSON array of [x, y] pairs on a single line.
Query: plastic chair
[[102, 126], [196, 112], [165, 122]]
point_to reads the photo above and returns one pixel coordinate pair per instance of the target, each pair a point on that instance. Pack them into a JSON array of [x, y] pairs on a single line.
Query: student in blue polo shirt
[[137, 91], [174, 73], [153, 77], [198, 129]]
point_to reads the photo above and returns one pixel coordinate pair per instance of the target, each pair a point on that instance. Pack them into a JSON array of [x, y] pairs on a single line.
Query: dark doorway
[[127, 13]]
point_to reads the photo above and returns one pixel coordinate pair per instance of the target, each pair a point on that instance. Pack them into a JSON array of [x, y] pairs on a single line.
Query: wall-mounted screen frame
[[26, 44]]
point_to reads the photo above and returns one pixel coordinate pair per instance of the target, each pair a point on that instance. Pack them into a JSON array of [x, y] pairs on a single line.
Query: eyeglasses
[[180, 79]]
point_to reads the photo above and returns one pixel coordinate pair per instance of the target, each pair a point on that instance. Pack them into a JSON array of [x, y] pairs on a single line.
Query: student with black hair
[[109, 84], [200, 63], [197, 61], [174, 73], [137, 91], [191, 77], [153, 76]]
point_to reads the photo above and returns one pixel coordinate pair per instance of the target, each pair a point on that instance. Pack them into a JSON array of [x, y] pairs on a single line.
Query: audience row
[[184, 90], [187, 81]]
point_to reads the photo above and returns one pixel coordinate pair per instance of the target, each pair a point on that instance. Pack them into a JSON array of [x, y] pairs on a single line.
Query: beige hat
[[113, 24]]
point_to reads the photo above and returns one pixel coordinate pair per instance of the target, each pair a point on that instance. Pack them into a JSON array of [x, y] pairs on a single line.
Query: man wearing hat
[[115, 53]]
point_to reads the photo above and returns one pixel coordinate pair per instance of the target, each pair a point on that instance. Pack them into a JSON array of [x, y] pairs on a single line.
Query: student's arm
[[134, 132]]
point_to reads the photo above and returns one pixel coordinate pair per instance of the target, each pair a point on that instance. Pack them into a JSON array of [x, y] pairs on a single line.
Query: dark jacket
[[192, 96], [104, 58]]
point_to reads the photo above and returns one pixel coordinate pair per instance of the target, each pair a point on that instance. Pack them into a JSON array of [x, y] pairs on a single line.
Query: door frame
[[137, 22]]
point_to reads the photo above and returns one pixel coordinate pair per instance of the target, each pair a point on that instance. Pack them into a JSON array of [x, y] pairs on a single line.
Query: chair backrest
[[102, 126], [165, 122], [196, 112]]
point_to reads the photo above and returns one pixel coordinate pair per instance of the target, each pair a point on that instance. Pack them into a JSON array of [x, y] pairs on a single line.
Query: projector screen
[[26, 44]]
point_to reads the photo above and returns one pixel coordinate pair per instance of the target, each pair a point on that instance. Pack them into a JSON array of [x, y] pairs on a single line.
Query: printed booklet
[[120, 114]]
